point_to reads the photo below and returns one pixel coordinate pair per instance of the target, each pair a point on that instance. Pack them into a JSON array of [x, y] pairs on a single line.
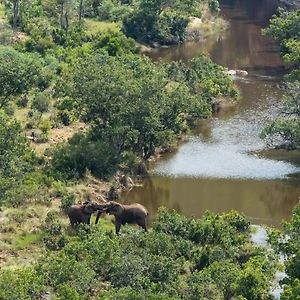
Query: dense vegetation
[[63, 65], [285, 131], [61, 73], [51, 22], [181, 258]]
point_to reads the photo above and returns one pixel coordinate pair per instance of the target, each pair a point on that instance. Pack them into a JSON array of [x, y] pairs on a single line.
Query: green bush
[[41, 102], [65, 292], [67, 200], [65, 270], [20, 284], [81, 153]]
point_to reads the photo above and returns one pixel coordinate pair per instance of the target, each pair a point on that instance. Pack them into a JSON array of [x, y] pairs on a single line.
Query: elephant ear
[[116, 209]]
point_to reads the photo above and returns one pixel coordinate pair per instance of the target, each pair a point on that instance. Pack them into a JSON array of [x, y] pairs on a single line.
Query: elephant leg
[[98, 216], [88, 219], [118, 226], [72, 222], [142, 223]]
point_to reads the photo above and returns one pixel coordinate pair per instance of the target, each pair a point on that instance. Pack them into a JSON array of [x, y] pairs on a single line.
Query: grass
[[20, 233], [94, 26], [21, 228], [26, 240]]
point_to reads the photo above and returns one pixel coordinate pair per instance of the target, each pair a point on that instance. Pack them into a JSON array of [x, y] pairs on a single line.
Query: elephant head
[[90, 207], [114, 208]]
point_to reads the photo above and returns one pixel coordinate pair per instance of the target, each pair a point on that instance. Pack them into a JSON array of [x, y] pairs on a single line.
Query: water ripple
[[198, 159]]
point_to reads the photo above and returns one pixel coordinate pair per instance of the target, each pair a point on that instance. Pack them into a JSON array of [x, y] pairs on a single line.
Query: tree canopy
[[18, 73]]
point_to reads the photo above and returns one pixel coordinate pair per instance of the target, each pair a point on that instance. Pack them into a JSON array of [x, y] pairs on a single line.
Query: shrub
[[237, 220], [65, 292], [67, 200], [65, 270], [41, 102], [23, 284], [72, 159], [45, 125], [172, 223]]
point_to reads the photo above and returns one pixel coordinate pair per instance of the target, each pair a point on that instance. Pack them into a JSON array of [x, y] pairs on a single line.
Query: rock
[[231, 72], [144, 48], [237, 72], [241, 72]]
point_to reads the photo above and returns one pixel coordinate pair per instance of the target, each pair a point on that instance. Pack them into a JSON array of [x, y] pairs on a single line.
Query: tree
[[149, 22], [285, 131], [16, 157], [18, 73], [16, 4], [285, 29], [121, 98], [287, 242]]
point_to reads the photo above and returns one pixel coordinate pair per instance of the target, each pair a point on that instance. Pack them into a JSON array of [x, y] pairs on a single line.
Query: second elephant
[[81, 213], [125, 214]]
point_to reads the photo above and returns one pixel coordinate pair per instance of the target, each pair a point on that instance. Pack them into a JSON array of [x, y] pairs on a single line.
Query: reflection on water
[[198, 159], [242, 46], [225, 165], [263, 201], [222, 145]]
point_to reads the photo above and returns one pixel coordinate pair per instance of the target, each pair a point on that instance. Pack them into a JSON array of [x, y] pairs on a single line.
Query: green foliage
[[21, 284], [136, 105], [70, 160], [45, 125], [285, 29], [149, 22], [41, 102], [111, 10], [287, 242], [18, 73], [156, 265], [16, 159], [115, 43], [237, 220], [67, 200], [285, 131], [128, 293], [214, 6], [54, 237], [291, 291], [65, 292], [162, 21]]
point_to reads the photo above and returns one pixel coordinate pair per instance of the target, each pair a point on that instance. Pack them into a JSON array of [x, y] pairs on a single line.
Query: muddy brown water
[[224, 165]]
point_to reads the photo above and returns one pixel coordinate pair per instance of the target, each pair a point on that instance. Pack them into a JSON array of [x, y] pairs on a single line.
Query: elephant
[[81, 213], [131, 214]]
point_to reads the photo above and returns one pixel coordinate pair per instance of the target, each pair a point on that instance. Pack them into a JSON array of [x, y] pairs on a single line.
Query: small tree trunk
[[80, 10], [95, 7], [62, 14], [15, 12], [67, 22]]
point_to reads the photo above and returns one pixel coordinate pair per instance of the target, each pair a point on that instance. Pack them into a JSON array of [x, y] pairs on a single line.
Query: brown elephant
[[81, 213], [130, 214]]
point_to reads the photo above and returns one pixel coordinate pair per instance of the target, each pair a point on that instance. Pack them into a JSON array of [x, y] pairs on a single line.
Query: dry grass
[[58, 135], [94, 26], [20, 233], [200, 30]]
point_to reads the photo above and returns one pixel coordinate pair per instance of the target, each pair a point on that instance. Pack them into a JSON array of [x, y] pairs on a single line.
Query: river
[[224, 165]]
